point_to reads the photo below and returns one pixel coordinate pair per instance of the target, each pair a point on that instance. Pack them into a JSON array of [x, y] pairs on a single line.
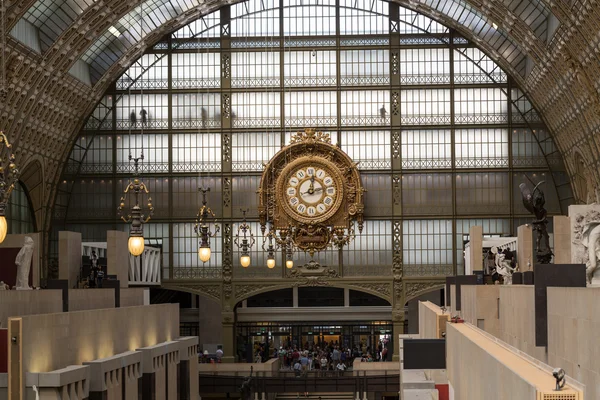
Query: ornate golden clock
[[312, 191]]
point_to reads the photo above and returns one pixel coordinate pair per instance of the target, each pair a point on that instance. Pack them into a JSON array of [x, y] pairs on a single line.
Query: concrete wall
[[479, 367], [69, 256], [452, 306], [573, 333], [117, 254], [211, 329], [479, 306], [360, 368], [413, 309], [517, 319], [432, 322], [53, 341], [131, 297], [28, 302], [91, 299]]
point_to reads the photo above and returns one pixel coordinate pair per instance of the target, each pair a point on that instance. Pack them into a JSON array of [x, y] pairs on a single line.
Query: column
[[525, 258], [346, 297], [69, 256], [475, 249], [188, 368], [295, 297], [397, 329], [117, 256], [228, 341], [562, 239]]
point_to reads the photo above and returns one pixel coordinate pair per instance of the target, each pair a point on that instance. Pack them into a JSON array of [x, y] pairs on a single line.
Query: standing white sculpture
[[585, 233], [23, 262], [503, 267]]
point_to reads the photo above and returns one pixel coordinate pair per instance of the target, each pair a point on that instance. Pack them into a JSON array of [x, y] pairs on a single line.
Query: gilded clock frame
[[311, 148]]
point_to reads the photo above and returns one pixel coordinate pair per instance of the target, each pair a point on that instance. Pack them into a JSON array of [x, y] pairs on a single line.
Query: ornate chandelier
[[202, 229], [8, 178], [135, 216]]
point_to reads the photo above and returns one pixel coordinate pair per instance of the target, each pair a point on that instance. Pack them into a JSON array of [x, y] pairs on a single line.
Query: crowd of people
[[321, 357]]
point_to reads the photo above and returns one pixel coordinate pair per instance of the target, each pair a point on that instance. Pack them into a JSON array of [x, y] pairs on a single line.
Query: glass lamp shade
[[204, 253], [289, 264], [3, 228], [245, 261], [136, 245], [271, 263]]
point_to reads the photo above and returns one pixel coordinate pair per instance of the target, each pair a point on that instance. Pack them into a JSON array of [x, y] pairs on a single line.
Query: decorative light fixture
[[7, 183], [273, 245], [245, 241], [202, 229], [135, 216]]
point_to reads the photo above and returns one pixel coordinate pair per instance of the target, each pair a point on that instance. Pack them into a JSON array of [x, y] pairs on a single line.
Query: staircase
[[315, 396]]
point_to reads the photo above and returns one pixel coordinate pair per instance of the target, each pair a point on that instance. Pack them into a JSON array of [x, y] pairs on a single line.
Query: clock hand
[[314, 191]]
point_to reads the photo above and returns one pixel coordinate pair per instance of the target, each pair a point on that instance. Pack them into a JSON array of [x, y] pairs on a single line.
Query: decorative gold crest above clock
[[311, 190]]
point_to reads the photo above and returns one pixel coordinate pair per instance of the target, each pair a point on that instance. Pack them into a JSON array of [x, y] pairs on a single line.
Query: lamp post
[[135, 217], [202, 229]]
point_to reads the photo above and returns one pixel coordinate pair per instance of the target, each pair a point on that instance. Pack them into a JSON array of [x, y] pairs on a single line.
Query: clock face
[[312, 191]]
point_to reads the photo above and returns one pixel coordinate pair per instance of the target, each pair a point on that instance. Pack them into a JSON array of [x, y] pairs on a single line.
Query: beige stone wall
[[210, 331], [525, 258], [160, 383], [131, 297], [432, 323], [53, 341], [573, 333], [15, 303], [69, 256], [91, 299], [131, 382], [172, 362], [452, 306], [194, 383], [562, 239], [479, 375], [517, 319], [479, 306]]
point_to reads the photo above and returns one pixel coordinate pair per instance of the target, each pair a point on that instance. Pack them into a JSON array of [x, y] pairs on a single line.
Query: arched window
[[19, 213]]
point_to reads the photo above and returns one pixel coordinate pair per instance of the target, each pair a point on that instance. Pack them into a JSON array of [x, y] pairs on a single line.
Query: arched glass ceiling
[[141, 21]]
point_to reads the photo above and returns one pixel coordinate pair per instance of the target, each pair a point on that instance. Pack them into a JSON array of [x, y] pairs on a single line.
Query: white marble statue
[[23, 262], [3, 286], [585, 246], [503, 267]]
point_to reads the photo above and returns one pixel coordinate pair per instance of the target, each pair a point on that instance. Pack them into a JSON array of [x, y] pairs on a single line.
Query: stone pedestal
[[562, 239], [116, 377], [117, 256], [188, 368], [475, 249], [525, 257], [585, 238], [69, 256]]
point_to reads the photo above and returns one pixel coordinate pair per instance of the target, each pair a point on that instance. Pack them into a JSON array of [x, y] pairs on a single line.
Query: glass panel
[[425, 106], [187, 199], [196, 110], [424, 66], [363, 17], [253, 149], [255, 69], [304, 109], [365, 67], [427, 194], [155, 148], [480, 105], [374, 156], [424, 149], [365, 108], [309, 68], [308, 17], [481, 148], [196, 70], [255, 18], [151, 71], [196, 152], [255, 109], [482, 193], [371, 248], [427, 243], [471, 65], [137, 111]]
